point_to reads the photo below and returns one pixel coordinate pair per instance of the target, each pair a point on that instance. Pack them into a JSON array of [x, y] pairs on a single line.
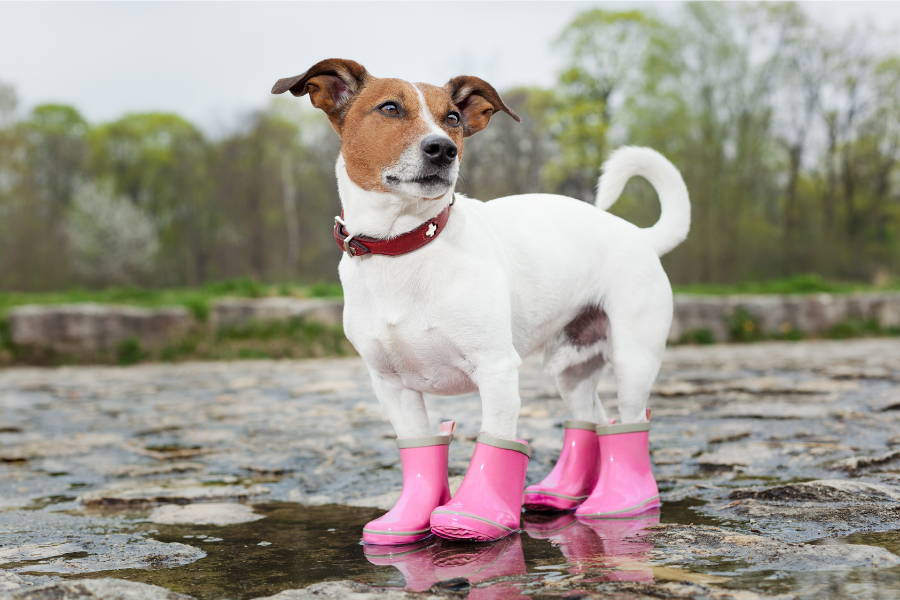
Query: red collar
[[357, 245]]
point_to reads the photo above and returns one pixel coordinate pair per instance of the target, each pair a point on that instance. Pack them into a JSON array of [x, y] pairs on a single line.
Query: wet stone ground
[[779, 466]]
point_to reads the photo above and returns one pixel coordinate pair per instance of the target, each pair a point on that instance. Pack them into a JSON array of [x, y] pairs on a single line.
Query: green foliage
[[6, 344], [855, 328], [744, 327], [243, 287], [698, 336], [129, 352], [797, 284], [196, 300], [325, 290]]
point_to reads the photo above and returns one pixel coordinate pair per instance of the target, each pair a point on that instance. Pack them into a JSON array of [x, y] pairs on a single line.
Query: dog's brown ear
[[331, 85], [477, 100]]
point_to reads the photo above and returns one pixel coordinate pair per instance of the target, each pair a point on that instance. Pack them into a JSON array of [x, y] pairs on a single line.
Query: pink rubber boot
[[488, 504], [425, 486], [574, 475], [626, 486]]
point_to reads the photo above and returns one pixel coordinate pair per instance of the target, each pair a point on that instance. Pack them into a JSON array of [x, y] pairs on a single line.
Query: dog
[[446, 295]]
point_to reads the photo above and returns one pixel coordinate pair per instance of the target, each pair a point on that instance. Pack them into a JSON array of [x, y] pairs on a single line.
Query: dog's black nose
[[439, 150]]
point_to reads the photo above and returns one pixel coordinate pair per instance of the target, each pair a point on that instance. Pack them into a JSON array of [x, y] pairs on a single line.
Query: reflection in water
[[607, 549], [439, 560]]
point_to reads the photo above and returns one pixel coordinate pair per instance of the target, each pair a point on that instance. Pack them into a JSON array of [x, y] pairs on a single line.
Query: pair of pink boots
[[604, 471]]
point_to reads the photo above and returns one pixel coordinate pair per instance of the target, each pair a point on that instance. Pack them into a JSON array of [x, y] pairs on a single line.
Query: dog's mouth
[[432, 180]]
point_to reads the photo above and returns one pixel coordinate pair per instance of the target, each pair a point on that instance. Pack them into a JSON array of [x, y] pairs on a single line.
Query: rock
[[854, 464], [817, 509], [158, 469], [733, 419], [94, 329], [212, 513], [97, 589], [739, 454], [11, 581], [337, 590], [824, 490], [237, 312], [182, 491], [691, 544], [79, 443], [45, 542]]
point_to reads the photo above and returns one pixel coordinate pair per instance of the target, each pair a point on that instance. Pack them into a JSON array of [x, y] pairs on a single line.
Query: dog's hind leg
[[575, 473], [625, 485], [577, 386], [638, 340]]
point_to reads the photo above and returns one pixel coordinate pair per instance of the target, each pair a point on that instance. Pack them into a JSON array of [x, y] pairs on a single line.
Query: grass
[[797, 284], [197, 300]]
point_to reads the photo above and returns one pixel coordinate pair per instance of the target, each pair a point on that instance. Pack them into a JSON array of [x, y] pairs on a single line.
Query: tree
[[112, 241], [605, 51], [160, 162], [509, 157]]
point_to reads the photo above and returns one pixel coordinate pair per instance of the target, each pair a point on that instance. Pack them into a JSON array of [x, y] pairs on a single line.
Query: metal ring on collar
[[622, 428], [486, 438]]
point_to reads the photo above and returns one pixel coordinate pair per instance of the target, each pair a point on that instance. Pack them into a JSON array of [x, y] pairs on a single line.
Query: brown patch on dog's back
[[589, 326]]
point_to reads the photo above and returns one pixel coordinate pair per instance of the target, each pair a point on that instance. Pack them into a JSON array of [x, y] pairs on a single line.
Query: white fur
[[501, 282]]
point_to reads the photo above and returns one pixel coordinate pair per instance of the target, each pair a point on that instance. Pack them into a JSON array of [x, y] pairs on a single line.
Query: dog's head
[[398, 137]]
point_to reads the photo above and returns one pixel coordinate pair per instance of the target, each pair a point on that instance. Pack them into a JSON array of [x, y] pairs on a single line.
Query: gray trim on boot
[[421, 442], [622, 428], [571, 424], [488, 439]]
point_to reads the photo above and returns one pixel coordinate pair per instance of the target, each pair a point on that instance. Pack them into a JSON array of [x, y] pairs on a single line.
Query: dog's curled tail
[[675, 217]]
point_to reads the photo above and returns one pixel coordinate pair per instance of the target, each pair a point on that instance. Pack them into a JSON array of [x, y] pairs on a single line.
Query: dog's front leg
[[404, 408], [423, 457], [488, 504], [498, 384]]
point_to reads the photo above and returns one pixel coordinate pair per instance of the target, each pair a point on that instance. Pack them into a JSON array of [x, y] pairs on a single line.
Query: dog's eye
[[453, 119], [391, 109]]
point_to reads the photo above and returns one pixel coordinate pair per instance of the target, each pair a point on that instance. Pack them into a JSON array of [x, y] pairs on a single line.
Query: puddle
[[295, 546]]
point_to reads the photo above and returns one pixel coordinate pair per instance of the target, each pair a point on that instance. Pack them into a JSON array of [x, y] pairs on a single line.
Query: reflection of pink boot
[[577, 542], [425, 486], [488, 504], [572, 479], [626, 485], [414, 561], [481, 564], [625, 549]]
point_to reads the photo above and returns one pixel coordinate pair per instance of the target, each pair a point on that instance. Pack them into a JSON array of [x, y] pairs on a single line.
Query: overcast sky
[[212, 61]]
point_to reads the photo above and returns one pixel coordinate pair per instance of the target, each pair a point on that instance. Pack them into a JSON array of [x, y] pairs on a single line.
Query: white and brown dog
[[445, 295]]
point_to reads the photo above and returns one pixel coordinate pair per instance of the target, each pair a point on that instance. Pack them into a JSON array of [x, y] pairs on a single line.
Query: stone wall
[[92, 329], [781, 316], [237, 312]]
